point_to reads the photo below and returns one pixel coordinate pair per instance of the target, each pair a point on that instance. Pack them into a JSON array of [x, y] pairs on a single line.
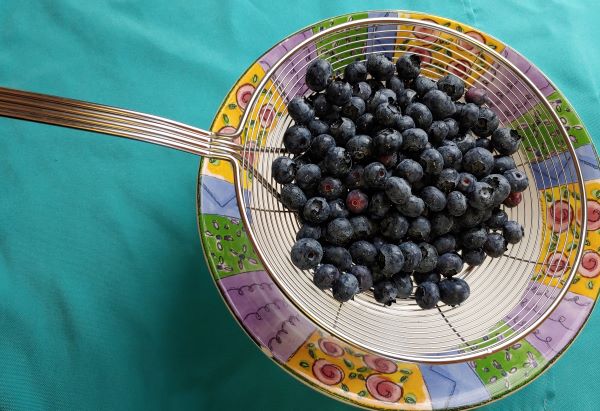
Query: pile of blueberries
[[395, 180]]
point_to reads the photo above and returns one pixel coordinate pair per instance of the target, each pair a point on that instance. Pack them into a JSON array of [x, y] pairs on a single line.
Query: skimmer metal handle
[[60, 111]]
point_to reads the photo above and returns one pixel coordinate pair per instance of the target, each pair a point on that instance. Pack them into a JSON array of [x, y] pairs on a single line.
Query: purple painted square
[[534, 74], [560, 328], [289, 78], [559, 169], [381, 38], [453, 385], [265, 313]]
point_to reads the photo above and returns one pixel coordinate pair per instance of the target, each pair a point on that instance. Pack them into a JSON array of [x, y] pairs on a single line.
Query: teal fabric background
[[105, 300]]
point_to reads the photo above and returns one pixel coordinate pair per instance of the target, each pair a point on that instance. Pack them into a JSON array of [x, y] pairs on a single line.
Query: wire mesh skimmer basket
[[403, 331]]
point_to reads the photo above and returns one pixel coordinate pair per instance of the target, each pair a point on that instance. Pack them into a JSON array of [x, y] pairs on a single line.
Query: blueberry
[[385, 292], [482, 196], [375, 85], [337, 161], [325, 275], [454, 291], [453, 86], [338, 256], [357, 201], [474, 238], [381, 96], [390, 159], [394, 226], [380, 67], [379, 205], [432, 161], [438, 131], [331, 188], [497, 220], [414, 207], [447, 180], [478, 161], [339, 231], [360, 147], [342, 130], [338, 92], [308, 175], [449, 264], [364, 277], [430, 258], [318, 75], [397, 190], [427, 295], [387, 115], [320, 104], [441, 223], [471, 218], [502, 164], [513, 200], [476, 96], [365, 123], [420, 114], [292, 197], [362, 90], [440, 105], [487, 122], [466, 183], [453, 127], [283, 170], [363, 252], [409, 170], [306, 253], [296, 139], [500, 185], [506, 141], [309, 231], [406, 98], [345, 287], [300, 110], [473, 257], [495, 245], [414, 140], [434, 199], [517, 179], [422, 85], [465, 142], [387, 140], [316, 210], [362, 227], [375, 175], [355, 72], [456, 203], [390, 259], [444, 244], [337, 209], [320, 146], [403, 284], [412, 256], [419, 229], [318, 127], [513, 232], [354, 108], [395, 84], [408, 66], [451, 155], [468, 116], [484, 142], [431, 277]]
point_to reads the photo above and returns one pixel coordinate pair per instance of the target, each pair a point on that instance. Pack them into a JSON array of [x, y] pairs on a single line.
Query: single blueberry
[[337, 209], [404, 123], [363, 252], [403, 284], [355, 72], [345, 287], [454, 291], [384, 95], [452, 86], [379, 205], [395, 84], [360, 147], [357, 201], [354, 108], [387, 114], [478, 161], [445, 244], [365, 123], [325, 276], [342, 130], [517, 179], [394, 226], [406, 98], [397, 190], [506, 141], [500, 185], [495, 245], [451, 155], [414, 140], [375, 175], [419, 229], [306, 253], [447, 180], [296, 139], [484, 142], [413, 207], [449, 264], [409, 170], [474, 238], [338, 256], [439, 104], [482, 196], [339, 231], [354, 178], [456, 203], [309, 231], [473, 257], [331, 188], [320, 104], [385, 292], [487, 122], [476, 96], [441, 223], [318, 127], [300, 110], [292, 197], [338, 161], [408, 66], [364, 277], [387, 141], [390, 259], [502, 164], [422, 85], [497, 220], [362, 90], [283, 170], [431, 276], [320, 146], [466, 183], [362, 227], [316, 210], [513, 232], [318, 75], [412, 256], [338, 92], [434, 199], [469, 115], [429, 260], [427, 295], [453, 127], [380, 67], [420, 114], [308, 175], [438, 131], [432, 161]]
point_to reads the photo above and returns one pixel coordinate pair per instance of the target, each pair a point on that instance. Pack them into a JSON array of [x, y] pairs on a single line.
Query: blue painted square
[[382, 37], [218, 197], [453, 385], [559, 169]]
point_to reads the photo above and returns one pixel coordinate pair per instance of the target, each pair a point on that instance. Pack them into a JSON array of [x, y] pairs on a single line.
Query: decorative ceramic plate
[[361, 378]]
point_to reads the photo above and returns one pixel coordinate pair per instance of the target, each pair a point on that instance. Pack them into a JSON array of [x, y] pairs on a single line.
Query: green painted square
[[540, 143], [228, 248], [353, 44], [506, 370]]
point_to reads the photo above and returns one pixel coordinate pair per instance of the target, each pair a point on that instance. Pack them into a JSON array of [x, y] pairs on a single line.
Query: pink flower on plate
[[327, 372], [243, 95], [266, 114], [556, 264], [459, 68], [590, 264], [330, 348], [383, 389], [593, 215], [474, 35], [379, 364], [559, 216], [425, 33]]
